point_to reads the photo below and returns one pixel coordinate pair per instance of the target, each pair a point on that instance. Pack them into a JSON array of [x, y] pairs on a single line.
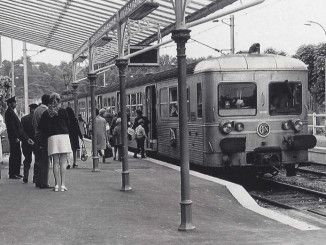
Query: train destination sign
[[148, 58]]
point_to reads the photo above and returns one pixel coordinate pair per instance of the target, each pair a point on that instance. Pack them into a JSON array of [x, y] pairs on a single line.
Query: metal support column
[[232, 33], [75, 87], [181, 36], [122, 65], [12, 69], [25, 78], [92, 80]]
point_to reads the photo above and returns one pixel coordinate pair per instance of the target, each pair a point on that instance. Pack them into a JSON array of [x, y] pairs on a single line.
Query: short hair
[[102, 111], [54, 97], [45, 99]]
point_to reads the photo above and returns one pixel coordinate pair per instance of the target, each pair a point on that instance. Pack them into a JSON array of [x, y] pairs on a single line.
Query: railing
[[317, 126]]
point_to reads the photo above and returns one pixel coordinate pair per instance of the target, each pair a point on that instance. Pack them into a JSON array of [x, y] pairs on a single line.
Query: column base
[[95, 164], [186, 216], [125, 181]]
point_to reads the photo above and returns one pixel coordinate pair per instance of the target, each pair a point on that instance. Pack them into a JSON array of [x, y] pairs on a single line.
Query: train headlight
[[226, 128], [297, 125], [239, 127], [286, 125]]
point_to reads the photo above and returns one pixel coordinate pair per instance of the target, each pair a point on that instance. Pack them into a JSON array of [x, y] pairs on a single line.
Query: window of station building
[[164, 103], [237, 99], [285, 98], [105, 102], [199, 101], [173, 99]]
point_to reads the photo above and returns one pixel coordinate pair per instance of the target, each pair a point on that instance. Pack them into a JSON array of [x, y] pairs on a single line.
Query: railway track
[[314, 169], [290, 196]]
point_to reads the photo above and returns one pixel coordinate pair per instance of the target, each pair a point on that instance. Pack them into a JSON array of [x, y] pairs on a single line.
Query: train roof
[[250, 62]]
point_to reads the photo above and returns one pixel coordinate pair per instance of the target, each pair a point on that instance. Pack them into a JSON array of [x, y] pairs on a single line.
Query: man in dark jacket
[[15, 135], [41, 153], [27, 148]]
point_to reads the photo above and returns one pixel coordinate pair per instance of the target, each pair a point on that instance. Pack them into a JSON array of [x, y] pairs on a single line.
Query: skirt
[[59, 144]]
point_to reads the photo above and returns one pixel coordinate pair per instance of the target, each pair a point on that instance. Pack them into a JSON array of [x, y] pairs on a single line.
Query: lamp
[[143, 10], [81, 58], [103, 41]]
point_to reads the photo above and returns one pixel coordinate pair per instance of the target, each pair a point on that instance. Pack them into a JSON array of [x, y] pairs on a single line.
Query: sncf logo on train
[[263, 129]]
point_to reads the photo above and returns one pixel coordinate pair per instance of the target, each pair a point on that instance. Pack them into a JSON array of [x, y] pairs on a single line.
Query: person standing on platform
[[82, 125], [2, 129], [27, 122], [74, 135], [140, 139], [15, 135], [41, 165], [117, 139], [100, 126], [54, 126]]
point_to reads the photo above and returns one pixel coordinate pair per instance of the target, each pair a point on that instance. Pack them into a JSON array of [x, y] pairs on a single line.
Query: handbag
[[84, 155], [108, 151]]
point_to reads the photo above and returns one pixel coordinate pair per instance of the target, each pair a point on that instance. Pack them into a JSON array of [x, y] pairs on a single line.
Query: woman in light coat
[[100, 125]]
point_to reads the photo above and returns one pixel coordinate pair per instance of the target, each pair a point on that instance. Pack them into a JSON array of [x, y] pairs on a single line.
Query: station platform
[[95, 211]]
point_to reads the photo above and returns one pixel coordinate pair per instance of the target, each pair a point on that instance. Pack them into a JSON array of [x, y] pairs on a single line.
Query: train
[[244, 110]]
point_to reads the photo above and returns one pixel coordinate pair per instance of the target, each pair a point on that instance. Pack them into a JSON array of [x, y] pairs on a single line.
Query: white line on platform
[[243, 197]]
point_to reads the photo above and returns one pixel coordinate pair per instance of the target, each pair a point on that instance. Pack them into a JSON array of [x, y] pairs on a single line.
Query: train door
[[150, 97]]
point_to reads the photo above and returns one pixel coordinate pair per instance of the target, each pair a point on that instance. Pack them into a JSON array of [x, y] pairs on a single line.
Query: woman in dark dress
[[74, 135]]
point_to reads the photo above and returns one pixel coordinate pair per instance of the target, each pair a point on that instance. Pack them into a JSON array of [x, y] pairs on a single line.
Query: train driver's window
[[164, 100], [285, 98], [235, 99], [173, 99], [199, 101]]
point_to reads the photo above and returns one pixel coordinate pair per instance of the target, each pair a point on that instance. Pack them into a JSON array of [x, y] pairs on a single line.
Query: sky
[[275, 23]]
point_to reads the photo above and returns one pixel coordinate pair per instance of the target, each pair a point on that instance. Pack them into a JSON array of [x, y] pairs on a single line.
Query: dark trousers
[[27, 152], [15, 158], [140, 146], [42, 163]]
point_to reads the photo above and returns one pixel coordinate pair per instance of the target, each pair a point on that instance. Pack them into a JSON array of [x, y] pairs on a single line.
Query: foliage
[[5, 85], [314, 56], [273, 51]]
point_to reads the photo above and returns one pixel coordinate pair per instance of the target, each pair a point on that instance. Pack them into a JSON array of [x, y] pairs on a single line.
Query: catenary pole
[[25, 78]]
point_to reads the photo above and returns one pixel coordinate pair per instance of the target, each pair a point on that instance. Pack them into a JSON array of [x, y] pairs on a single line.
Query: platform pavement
[[95, 211]]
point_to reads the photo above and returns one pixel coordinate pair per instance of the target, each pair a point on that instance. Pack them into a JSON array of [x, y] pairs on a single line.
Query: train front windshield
[[285, 98]]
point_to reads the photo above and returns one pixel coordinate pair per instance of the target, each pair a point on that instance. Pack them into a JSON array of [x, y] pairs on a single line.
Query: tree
[[273, 51], [314, 56]]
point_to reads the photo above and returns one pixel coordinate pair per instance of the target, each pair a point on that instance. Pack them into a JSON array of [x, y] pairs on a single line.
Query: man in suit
[[27, 148], [41, 152], [15, 135]]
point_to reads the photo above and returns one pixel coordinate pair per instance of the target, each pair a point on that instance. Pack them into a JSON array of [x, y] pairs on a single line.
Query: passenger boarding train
[[243, 110]]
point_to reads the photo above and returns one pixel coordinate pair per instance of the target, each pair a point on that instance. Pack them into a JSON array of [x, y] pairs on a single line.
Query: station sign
[[149, 58]]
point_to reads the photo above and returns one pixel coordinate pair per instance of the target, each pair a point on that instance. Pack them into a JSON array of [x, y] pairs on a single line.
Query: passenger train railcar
[[243, 110]]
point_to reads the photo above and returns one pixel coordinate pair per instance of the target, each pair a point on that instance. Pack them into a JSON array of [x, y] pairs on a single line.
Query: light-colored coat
[[100, 125]]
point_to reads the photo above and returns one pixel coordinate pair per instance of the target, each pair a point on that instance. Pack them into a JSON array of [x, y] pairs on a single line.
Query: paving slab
[[95, 211]]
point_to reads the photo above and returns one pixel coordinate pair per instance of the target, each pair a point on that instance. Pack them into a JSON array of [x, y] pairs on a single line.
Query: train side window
[[139, 101], [199, 101], [164, 106], [285, 98], [173, 99], [112, 104], [237, 99], [105, 102]]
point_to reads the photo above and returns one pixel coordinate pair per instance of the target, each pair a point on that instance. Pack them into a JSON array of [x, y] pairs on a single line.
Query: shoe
[[63, 188], [14, 177], [143, 156], [19, 175], [74, 165], [68, 167], [25, 180], [46, 187], [114, 158], [37, 185], [56, 188], [135, 156]]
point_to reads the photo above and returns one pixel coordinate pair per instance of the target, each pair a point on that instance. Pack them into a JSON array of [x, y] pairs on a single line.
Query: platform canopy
[[73, 25]]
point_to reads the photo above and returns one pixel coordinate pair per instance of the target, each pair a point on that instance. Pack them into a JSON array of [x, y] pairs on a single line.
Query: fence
[[318, 125]]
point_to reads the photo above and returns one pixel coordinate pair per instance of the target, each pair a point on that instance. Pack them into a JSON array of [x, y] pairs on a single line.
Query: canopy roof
[[71, 25]]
